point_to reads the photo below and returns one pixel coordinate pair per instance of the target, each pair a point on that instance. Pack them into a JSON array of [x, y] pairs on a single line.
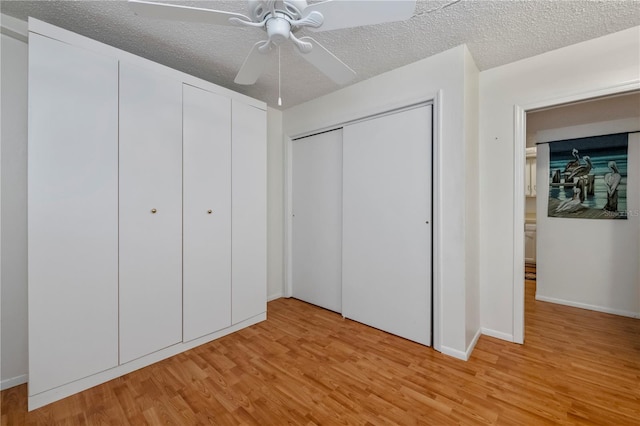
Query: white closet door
[[317, 221], [207, 212], [249, 212], [150, 212], [73, 213], [386, 268]]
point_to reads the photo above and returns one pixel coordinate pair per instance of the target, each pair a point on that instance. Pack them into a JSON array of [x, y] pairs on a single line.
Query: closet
[[386, 241], [317, 219], [147, 212], [378, 170], [249, 211], [150, 170], [72, 213], [207, 212]]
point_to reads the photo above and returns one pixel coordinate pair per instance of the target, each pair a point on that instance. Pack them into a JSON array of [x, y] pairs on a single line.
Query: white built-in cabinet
[[147, 212], [73, 213], [530, 188], [207, 212], [530, 242], [248, 207], [150, 211]]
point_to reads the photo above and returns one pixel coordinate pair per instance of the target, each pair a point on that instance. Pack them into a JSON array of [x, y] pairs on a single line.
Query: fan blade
[[253, 65], [355, 13], [327, 62], [184, 13]]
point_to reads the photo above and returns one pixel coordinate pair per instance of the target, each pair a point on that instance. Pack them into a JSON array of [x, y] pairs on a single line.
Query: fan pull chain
[[279, 79]]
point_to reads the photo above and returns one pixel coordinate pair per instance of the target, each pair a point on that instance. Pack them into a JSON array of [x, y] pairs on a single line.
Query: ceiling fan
[[282, 19]]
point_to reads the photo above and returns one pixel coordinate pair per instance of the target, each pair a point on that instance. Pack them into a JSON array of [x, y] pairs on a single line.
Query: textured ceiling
[[496, 32]]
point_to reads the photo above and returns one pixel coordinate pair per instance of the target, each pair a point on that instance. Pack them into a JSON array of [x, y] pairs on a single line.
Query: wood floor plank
[[310, 366]]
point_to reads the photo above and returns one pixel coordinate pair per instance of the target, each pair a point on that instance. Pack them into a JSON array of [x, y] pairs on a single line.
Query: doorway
[[567, 121]]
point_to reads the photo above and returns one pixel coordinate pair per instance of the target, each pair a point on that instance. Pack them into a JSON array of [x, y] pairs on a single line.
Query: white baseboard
[[453, 352], [13, 381], [473, 343], [497, 334], [458, 353], [580, 305], [274, 296], [55, 394]]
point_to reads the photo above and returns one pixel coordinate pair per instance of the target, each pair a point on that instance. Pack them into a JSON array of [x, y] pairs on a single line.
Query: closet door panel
[[386, 274], [73, 213], [317, 221], [150, 212], [249, 212], [207, 212]]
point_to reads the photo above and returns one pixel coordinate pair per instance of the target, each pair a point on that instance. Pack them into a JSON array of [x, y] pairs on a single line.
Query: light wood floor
[[306, 366]]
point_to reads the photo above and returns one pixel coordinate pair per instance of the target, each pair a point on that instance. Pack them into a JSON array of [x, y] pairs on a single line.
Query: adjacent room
[[606, 280], [320, 212]]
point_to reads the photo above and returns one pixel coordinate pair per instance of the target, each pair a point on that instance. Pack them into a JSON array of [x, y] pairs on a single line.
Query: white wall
[[275, 205], [472, 217], [443, 72], [598, 269], [13, 277], [597, 64]]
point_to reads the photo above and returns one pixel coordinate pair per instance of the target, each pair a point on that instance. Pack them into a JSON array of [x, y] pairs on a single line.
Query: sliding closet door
[[73, 213], [317, 219], [386, 251], [248, 211], [207, 212], [150, 212]]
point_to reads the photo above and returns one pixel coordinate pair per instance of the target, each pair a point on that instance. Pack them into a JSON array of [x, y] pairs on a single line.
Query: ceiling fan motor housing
[[278, 28]]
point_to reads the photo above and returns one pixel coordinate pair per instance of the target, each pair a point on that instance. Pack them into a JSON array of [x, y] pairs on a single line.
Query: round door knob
[[153, 210], [209, 211]]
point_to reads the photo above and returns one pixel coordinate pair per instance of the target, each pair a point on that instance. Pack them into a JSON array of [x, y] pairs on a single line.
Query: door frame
[[519, 161], [434, 99]]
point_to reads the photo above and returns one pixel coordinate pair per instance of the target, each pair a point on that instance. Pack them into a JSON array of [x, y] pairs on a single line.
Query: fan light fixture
[[281, 20]]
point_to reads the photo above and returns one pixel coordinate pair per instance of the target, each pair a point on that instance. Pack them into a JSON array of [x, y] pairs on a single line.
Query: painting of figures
[[588, 177]]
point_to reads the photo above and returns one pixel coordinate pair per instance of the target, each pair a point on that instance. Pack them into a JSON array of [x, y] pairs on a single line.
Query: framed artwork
[[588, 177]]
